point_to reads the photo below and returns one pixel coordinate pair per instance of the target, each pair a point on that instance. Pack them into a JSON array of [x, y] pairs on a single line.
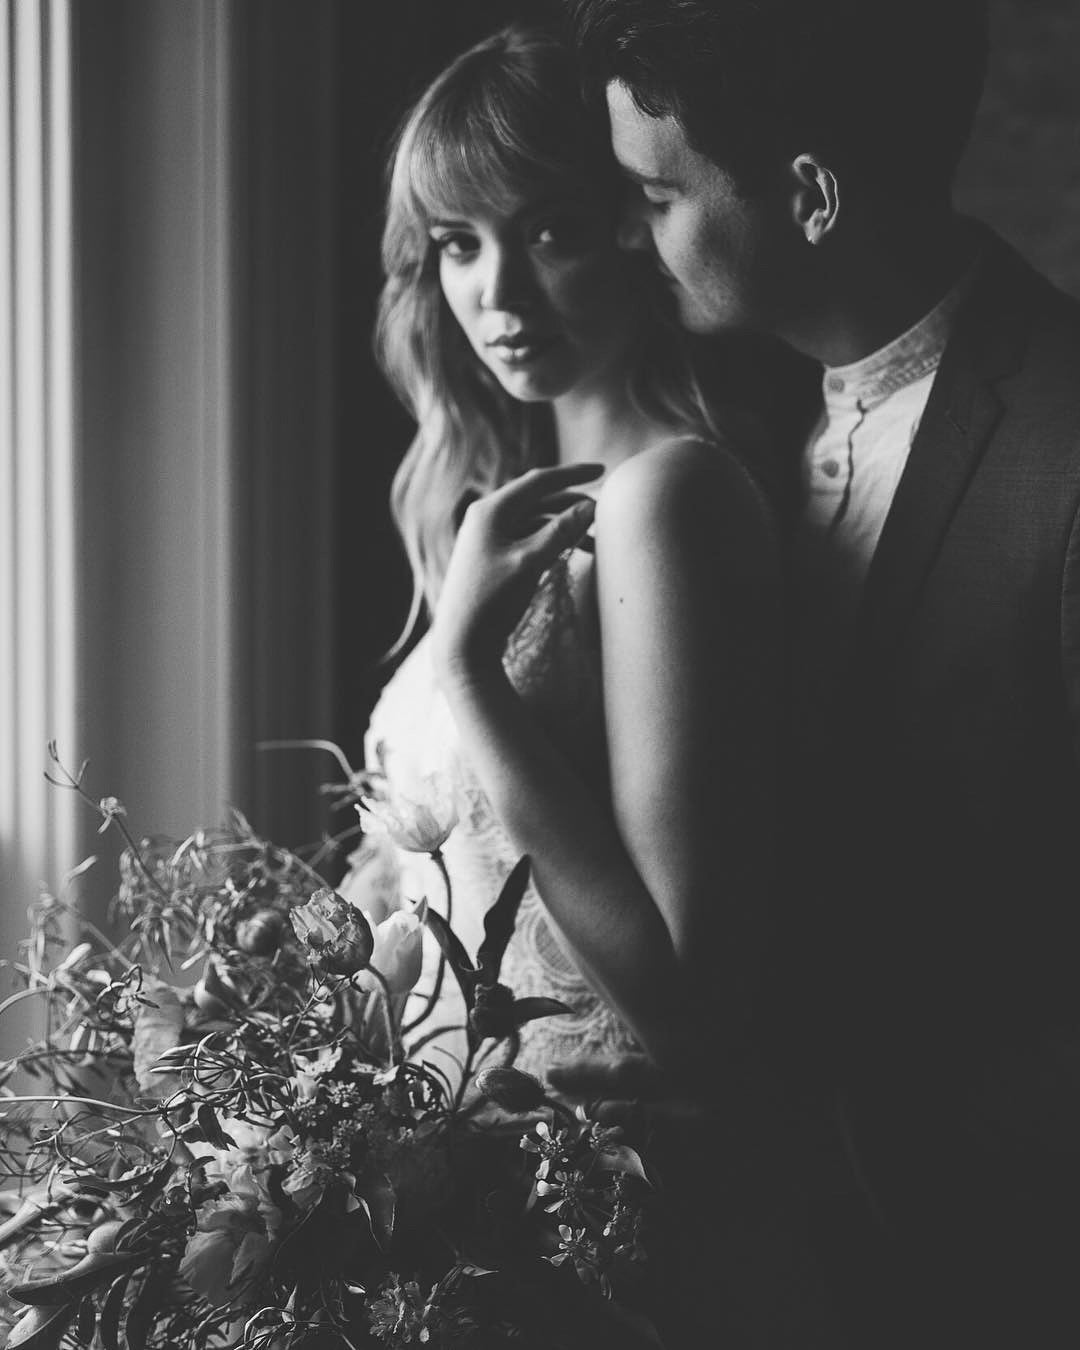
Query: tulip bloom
[[399, 952]]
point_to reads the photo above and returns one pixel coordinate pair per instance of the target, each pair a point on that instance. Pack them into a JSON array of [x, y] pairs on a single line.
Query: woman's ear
[[816, 199]]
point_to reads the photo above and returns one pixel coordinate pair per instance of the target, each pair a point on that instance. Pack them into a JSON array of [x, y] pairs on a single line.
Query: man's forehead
[[650, 149]]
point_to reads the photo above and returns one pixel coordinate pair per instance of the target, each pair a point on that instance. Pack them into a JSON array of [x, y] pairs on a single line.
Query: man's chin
[[695, 318]]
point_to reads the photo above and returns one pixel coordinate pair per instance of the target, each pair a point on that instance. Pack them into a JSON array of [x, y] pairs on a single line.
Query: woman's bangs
[[474, 164]]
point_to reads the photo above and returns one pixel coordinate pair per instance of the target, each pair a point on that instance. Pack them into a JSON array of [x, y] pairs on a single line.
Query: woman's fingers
[[536, 484], [564, 529], [527, 520]]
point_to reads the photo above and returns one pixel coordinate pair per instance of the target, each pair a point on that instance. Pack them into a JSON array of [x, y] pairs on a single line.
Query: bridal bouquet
[[266, 1157]]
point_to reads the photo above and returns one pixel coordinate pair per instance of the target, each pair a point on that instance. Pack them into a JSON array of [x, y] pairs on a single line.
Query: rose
[[338, 938]]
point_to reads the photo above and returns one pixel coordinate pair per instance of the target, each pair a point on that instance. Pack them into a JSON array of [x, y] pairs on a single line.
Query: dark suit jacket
[[933, 929], [960, 782]]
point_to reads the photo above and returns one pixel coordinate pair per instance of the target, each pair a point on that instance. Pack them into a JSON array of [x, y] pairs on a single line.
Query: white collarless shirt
[[850, 471]]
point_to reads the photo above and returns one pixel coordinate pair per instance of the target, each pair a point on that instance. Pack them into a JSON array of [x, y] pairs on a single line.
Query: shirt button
[[834, 384], [830, 468]]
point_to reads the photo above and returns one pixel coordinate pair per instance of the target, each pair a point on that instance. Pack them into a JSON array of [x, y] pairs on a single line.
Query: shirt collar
[[907, 358]]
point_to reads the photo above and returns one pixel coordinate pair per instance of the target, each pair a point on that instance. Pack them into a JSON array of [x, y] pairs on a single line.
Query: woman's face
[[544, 295]]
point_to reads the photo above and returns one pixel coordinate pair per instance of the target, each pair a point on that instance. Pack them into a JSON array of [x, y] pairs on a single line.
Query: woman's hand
[[506, 541]]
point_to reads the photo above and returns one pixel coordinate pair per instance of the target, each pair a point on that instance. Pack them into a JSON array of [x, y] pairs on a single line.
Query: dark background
[[1021, 175], [388, 55]]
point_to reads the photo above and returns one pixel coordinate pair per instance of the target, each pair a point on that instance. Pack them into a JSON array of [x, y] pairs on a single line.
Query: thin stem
[[316, 993], [333, 843], [563, 1111], [313, 744], [111, 818], [466, 1074], [440, 972], [95, 931], [440, 862], [52, 1052], [429, 1036], [12, 999], [136, 853], [55, 1097], [392, 1034]]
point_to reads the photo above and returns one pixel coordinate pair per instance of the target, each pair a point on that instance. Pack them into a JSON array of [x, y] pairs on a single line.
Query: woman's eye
[[657, 205], [457, 246]]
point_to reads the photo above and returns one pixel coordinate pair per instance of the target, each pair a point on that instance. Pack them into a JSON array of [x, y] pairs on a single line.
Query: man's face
[[720, 251]]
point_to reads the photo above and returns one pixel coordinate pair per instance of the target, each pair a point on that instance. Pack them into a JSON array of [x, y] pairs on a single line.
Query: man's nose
[[508, 283], [633, 231]]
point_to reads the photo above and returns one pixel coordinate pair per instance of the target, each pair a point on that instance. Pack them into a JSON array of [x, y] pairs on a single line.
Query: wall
[[1022, 170]]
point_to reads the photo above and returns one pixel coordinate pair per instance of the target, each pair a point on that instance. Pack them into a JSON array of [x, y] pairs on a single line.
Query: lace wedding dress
[[553, 660]]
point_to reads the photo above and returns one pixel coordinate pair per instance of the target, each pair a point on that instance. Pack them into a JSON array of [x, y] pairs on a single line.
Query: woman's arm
[[662, 891]]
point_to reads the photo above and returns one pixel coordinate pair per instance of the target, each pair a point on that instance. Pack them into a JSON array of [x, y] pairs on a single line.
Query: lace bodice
[[553, 660]]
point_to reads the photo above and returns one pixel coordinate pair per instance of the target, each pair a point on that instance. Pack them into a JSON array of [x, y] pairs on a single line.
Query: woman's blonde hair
[[506, 116]]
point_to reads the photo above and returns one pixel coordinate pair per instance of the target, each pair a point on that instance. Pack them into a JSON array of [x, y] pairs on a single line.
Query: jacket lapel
[[963, 409]]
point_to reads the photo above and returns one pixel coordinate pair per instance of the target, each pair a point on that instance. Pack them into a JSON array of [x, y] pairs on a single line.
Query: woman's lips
[[522, 348]]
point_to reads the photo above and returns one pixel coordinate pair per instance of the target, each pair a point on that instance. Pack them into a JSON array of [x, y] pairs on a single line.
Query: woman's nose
[[633, 231], [508, 283]]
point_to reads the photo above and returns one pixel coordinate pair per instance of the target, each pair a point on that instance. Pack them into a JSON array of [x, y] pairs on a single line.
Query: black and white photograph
[[540, 674]]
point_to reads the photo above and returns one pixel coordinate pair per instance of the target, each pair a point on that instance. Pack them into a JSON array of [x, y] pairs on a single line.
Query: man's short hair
[[877, 89]]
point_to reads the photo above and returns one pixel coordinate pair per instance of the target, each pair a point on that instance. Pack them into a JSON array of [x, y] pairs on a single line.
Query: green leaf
[[43, 1201], [111, 1311], [41, 1328], [499, 921], [147, 1302], [129, 1234], [529, 1009], [379, 1202], [83, 1278], [212, 1131], [457, 957], [86, 1321], [158, 1023]]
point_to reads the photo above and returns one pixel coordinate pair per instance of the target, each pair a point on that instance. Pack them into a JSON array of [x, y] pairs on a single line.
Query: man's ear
[[816, 199]]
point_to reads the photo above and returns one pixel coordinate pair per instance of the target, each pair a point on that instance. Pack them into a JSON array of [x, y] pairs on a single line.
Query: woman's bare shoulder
[[677, 480]]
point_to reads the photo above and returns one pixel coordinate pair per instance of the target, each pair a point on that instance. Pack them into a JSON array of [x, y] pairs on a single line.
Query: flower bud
[[260, 933], [215, 994], [493, 1012], [511, 1089], [207, 1002], [103, 1237]]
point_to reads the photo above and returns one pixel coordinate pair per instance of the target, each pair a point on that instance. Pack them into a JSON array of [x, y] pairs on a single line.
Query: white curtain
[[167, 426], [118, 546], [38, 664], [158, 543]]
